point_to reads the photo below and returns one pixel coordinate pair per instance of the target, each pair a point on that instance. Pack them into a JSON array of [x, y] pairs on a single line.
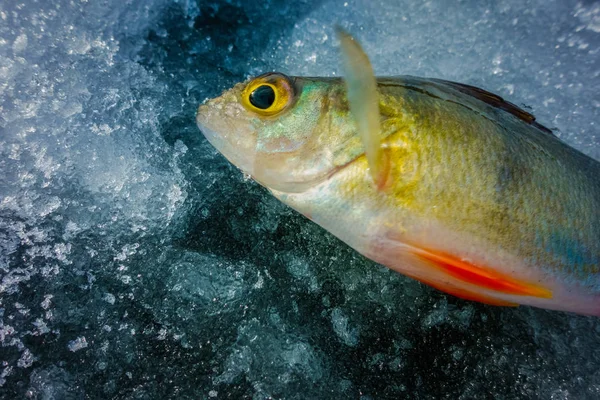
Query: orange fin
[[469, 295], [481, 277]]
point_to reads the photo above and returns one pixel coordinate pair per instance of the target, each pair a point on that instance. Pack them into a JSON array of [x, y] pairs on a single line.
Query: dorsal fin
[[495, 101]]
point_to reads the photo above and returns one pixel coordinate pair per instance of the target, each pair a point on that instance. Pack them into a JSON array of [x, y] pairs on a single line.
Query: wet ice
[[136, 262]]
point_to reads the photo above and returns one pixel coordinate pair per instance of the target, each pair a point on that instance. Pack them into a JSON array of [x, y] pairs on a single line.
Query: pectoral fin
[[363, 98]]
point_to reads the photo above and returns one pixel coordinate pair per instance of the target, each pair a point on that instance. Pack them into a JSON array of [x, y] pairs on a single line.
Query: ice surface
[[135, 262]]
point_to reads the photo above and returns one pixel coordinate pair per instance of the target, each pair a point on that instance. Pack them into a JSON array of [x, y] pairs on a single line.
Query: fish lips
[[233, 138]]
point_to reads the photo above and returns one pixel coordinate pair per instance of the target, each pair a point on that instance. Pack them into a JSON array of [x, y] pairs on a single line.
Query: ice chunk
[[589, 15], [26, 360], [296, 365], [52, 383], [437, 316], [78, 344], [301, 271], [348, 335], [214, 286], [109, 298]]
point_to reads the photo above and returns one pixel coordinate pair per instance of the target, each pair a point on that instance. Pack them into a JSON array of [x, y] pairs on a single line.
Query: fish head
[[288, 133]]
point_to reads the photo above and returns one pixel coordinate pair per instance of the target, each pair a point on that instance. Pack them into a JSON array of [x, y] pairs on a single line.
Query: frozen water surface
[[135, 262]]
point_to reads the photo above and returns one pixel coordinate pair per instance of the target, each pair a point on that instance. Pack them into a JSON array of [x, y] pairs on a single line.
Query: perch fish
[[443, 182]]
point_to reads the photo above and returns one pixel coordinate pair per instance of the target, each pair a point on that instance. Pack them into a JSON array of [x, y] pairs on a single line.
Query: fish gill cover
[[135, 262]]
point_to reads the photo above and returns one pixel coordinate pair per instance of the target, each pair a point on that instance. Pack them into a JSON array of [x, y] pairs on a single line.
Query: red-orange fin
[[481, 277], [470, 295]]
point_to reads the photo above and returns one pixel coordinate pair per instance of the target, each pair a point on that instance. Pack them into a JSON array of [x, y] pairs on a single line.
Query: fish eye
[[269, 94], [262, 97]]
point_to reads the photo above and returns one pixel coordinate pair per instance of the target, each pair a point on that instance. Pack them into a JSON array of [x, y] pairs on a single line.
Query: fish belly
[[471, 270]]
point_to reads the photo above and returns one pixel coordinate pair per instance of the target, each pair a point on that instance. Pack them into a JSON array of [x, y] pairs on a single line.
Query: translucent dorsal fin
[[363, 99]]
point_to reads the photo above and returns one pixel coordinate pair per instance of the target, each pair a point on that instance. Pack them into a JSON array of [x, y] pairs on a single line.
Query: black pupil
[[262, 97]]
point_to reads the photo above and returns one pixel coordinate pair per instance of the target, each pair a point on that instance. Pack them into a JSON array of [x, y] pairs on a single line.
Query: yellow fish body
[[448, 184]]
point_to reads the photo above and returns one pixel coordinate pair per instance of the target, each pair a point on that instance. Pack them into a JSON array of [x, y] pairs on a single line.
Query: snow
[[136, 262]]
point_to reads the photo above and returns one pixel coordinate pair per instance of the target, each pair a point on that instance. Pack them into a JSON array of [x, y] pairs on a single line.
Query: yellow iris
[[268, 94]]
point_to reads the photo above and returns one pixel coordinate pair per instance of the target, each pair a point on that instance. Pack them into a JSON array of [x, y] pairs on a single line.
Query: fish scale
[[471, 194], [532, 180]]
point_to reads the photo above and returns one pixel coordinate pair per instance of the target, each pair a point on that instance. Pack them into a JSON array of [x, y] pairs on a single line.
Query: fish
[[444, 182]]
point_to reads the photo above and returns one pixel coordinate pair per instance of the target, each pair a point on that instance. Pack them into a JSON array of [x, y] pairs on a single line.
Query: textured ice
[[135, 262]]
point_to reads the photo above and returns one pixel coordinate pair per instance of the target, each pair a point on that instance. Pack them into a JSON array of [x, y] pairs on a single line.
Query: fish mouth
[[202, 123], [221, 134]]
